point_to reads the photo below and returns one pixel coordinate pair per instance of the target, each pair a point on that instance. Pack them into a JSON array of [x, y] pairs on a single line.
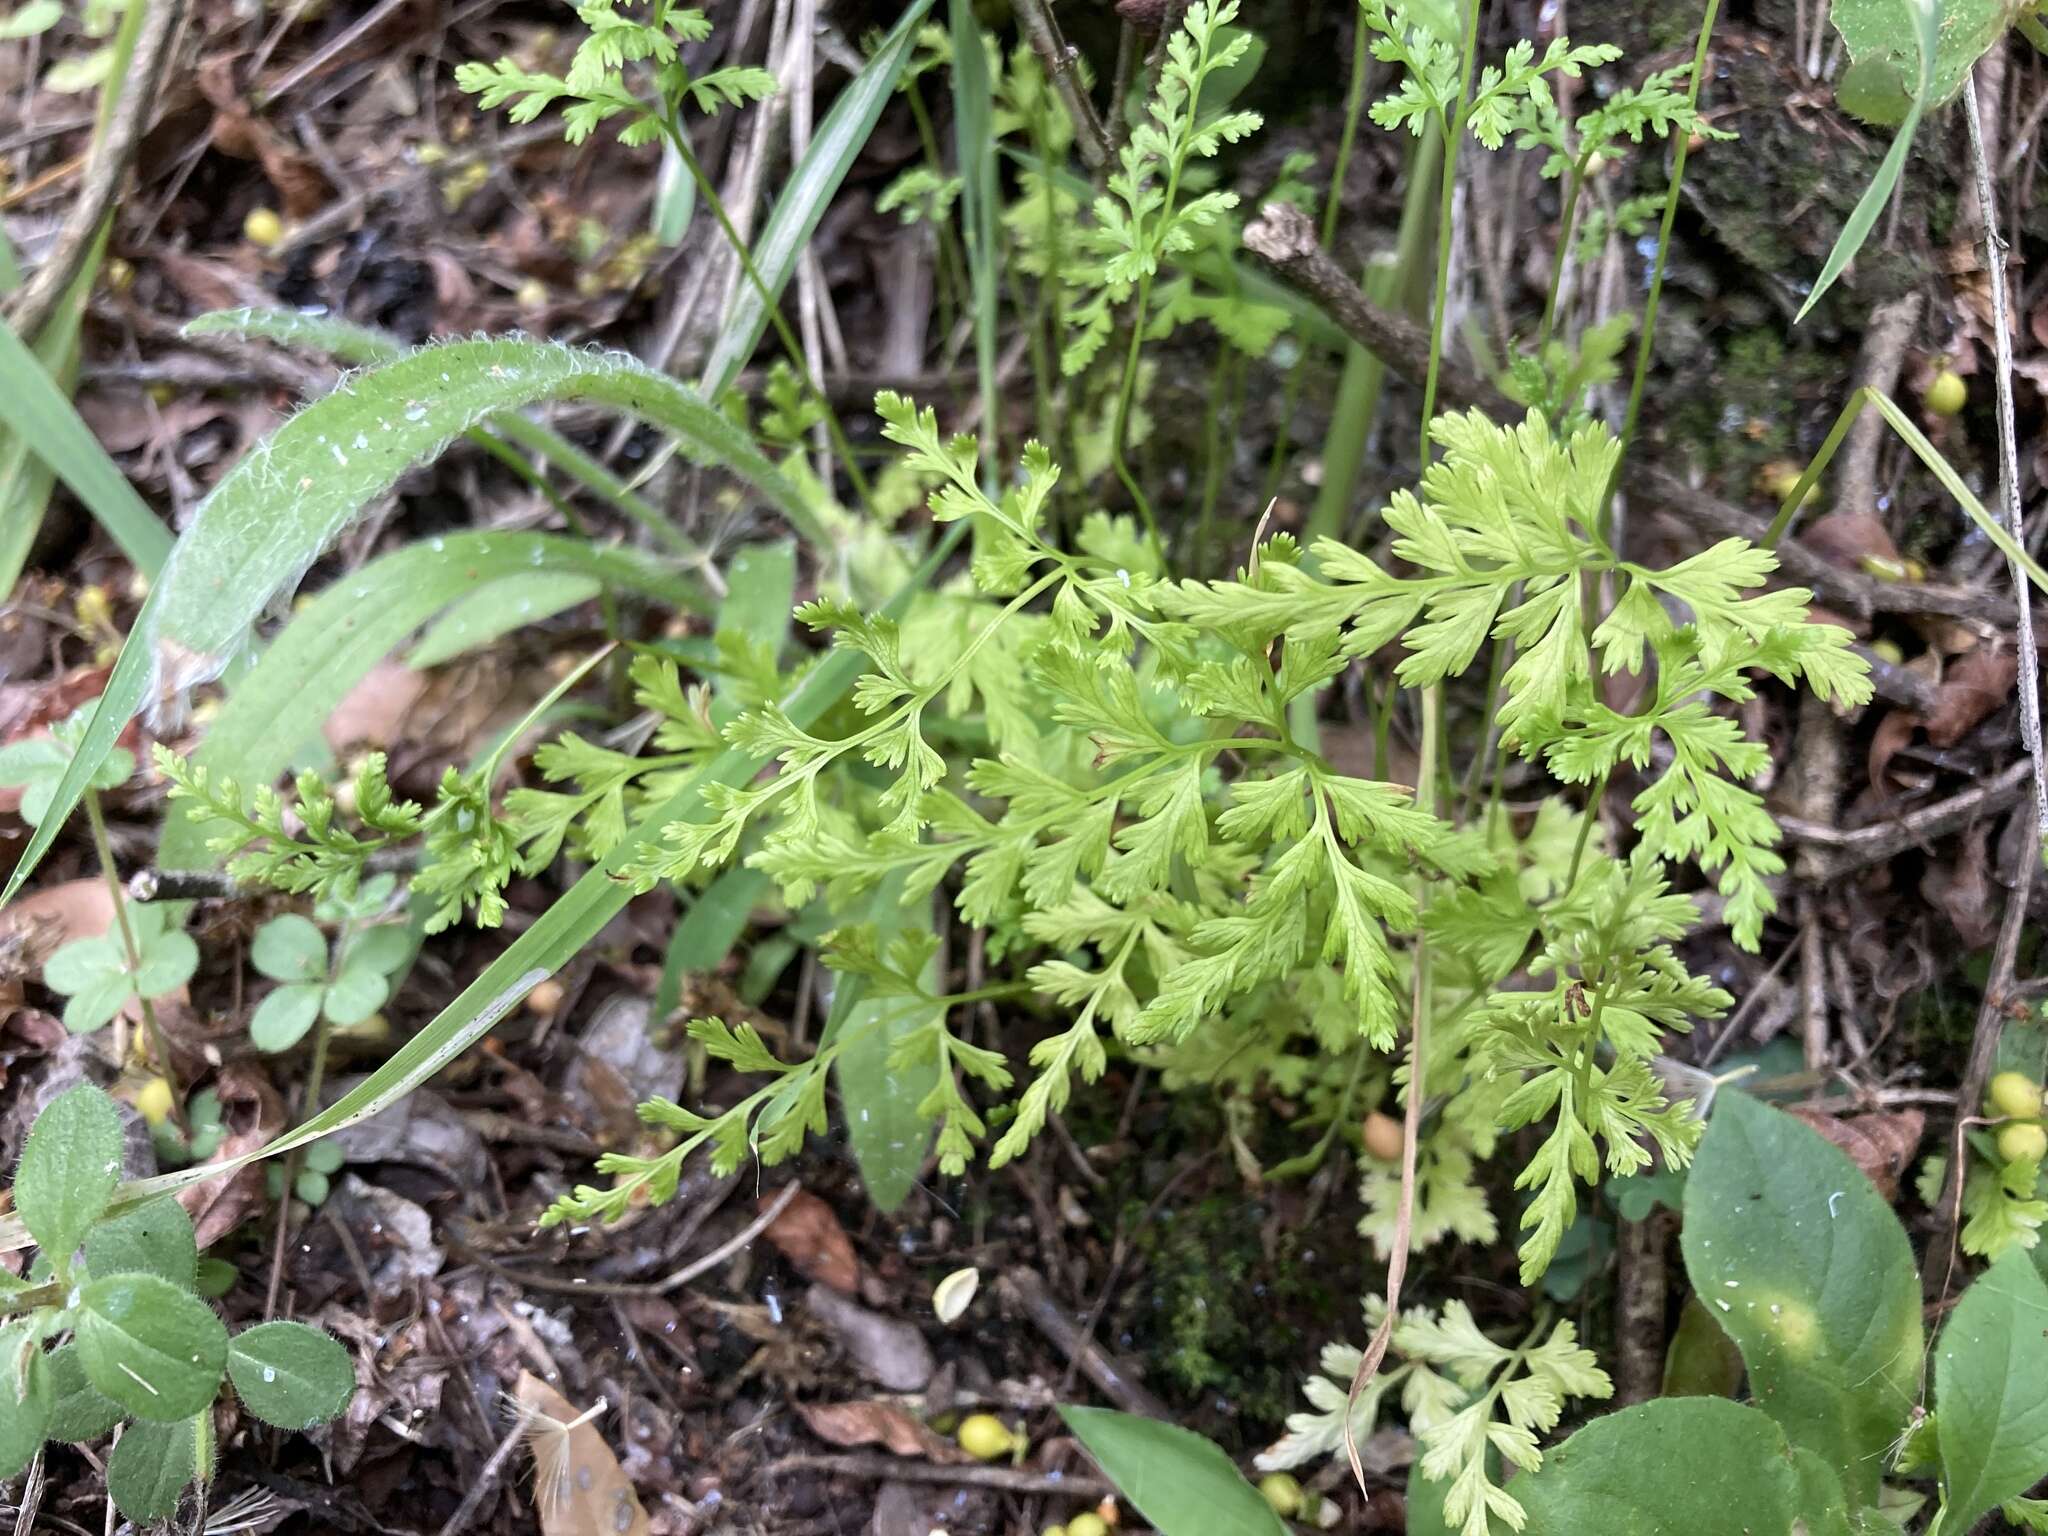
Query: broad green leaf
[[1922, 31], [93, 976], [273, 513], [554, 938], [888, 1135], [79, 1411], [69, 1169], [354, 995], [1809, 1272], [277, 709], [36, 411], [149, 1468], [282, 1019], [1678, 1467], [708, 931], [811, 188], [498, 609], [1179, 1481], [290, 1375], [30, 19], [1702, 1361], [1884, 39], [361, 345], [290, 948], [1991, 1391], [760, 591], [155, 1239], [25, 1393], [156, 1350]]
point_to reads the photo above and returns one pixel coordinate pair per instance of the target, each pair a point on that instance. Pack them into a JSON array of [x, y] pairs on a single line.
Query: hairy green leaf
[[1177, 1480]]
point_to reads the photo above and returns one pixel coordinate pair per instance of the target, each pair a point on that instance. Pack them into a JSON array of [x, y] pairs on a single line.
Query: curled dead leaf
[[1881, 1143], [878, 1423], [810, 1237], [578, 1488]]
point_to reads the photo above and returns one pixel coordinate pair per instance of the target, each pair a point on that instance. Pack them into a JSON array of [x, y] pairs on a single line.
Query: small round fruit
[[985, 1437], [263, 228], [2016, 1094], [2022, 1142], [1945, 393], [1054, 1530], [1088, 1523], [531, 294], [1382, 1136], [546, 998], [1282, 1494], [153, 1100], [1888, 650]]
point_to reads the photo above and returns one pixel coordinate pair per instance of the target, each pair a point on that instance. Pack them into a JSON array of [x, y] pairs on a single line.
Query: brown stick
[[109, 168], [1639, 1323], [1285, 237], [1870, 845], [1027, 1289], [1060, 60]]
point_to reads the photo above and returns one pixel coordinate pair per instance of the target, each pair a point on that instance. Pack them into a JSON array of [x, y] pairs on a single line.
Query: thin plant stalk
[[1656, 293], [1354, 106], [1364, 376], [841, 445], [159, 1052], [1454, 133]]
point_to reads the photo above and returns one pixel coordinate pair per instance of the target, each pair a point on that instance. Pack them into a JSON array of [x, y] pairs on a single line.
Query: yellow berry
[[1888, 650], [1088, 1523], [1382, 1136], [1945, 393], [1282, 1494], [531, 294], [546, 998], [153, 1100], [1054, 1530], [2015, 1093], [263, 227], [2022, 1142], [985, 1437]]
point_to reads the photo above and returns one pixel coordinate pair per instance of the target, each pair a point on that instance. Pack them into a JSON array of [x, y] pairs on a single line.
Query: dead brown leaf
[[1975, 684], [236, 132], [810, 1237], [1847, 539], [1881, 1143], [578, 1489], [878, 1423], [1962, 887], [255, 1115]]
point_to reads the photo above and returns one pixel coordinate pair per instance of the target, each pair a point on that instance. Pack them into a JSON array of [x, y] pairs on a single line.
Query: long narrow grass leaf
[[35, 410], [555, 937], [276, 510], [1863, 217], [812, 186], [277, 709], [974, 147]]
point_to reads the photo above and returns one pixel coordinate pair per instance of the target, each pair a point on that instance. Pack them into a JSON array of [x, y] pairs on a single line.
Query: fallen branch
[[103, 176], [1028, 1291], [1285, 238], [1865, 846]]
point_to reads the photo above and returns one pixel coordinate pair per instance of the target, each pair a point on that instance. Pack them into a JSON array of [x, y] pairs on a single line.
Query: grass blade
[[273, 513], [37, 412], [974, 148], [555, 937], [498, 609], [362, 346], [1863, 217], [276, 711], [840, 137]]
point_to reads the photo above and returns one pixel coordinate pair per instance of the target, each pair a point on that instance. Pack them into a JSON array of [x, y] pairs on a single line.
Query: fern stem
[[1126, 389], [1562, 256], [1656, 293], [1454, 134], [1592, 815]]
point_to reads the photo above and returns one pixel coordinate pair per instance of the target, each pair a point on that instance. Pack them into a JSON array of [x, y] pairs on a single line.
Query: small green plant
[[344, 986], [599, 85], [37, 764], [98, 977], [1830, 1332], [109, 1327]]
